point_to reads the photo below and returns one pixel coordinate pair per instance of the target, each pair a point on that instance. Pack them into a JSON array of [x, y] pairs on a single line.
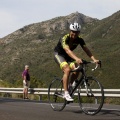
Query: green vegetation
[[34, 44]]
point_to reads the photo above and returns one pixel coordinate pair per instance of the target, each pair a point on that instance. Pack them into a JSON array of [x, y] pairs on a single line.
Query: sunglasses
[[75, 31]]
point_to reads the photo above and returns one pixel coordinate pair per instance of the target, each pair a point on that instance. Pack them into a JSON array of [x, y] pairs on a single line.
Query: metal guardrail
[[35, 91], [44, 91]]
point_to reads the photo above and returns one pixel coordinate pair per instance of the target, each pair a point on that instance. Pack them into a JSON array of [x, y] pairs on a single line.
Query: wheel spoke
[[55, 95], [92, 102]]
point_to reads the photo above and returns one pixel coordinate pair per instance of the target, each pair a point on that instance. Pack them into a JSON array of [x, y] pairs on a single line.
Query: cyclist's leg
[[60, 60], [66, 71], [74, 75]]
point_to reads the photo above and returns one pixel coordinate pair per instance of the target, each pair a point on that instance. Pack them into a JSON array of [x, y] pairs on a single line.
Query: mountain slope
[[34, 44], [107, 45]]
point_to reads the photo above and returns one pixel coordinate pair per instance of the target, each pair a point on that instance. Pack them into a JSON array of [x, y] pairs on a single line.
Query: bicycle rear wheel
[[56, 95], [91, 99]]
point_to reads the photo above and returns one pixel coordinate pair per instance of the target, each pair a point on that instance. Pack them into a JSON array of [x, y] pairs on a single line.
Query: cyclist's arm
[[88, 52], [72, 55], [25, 76]]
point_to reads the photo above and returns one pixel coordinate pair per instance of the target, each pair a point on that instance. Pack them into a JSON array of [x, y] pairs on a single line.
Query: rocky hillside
[[34, 44], [49, 28]]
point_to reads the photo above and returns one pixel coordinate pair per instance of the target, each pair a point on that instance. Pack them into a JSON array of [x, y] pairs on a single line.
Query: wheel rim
[[56, 96], [92, 102]]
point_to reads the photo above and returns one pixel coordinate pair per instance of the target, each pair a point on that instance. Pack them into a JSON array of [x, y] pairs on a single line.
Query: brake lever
[[95, 67], [99, 63], [77, 67]]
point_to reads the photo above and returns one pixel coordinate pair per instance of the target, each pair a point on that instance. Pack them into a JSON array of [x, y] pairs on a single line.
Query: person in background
[[26, 81]]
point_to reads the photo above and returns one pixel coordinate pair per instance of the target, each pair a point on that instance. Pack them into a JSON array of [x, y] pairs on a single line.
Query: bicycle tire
[[55, 95], [92, 102]]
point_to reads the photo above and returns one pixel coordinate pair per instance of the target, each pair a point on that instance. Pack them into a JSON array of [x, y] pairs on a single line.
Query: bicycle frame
[[82, 69], [87, 102], [82, 78]]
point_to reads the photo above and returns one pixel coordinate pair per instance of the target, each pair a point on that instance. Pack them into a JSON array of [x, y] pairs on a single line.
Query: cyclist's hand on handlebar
[[79, 60], [96, 61]]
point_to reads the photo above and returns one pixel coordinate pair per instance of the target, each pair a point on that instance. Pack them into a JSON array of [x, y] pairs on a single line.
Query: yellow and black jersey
[[65, 42]]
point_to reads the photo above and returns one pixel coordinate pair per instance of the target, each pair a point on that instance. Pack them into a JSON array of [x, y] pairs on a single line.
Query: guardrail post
[[40, 97], [96, 102]]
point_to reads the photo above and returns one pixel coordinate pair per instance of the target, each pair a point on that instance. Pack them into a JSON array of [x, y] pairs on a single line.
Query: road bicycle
[[88, 89]]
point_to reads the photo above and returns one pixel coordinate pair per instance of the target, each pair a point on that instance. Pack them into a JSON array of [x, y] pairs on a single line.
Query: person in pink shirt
[[26, 81]]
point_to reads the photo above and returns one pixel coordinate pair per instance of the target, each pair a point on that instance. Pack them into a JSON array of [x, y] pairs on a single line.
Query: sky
[[15, 14]]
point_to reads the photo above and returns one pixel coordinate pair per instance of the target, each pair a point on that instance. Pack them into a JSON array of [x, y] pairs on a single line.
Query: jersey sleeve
[[64, 42]]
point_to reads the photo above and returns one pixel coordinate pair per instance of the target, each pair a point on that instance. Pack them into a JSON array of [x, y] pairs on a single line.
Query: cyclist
[[66, 58]]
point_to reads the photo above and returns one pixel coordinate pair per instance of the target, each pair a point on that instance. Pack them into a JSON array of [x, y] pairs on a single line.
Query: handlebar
[[85, 63], [97, 65]]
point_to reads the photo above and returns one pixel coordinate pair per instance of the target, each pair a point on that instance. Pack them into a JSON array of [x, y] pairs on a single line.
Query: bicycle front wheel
[[56, 95], [91, 96]]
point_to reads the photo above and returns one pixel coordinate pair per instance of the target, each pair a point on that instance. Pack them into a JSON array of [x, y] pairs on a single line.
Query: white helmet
[[75, 27]]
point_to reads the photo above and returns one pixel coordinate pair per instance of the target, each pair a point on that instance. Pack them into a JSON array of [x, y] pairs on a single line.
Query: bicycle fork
[[88, 90]]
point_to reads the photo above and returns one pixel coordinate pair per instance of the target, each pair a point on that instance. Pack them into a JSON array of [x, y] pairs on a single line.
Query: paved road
[[33, 110]]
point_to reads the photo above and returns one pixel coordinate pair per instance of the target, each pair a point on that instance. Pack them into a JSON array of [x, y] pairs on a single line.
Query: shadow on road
[[111, 112]]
